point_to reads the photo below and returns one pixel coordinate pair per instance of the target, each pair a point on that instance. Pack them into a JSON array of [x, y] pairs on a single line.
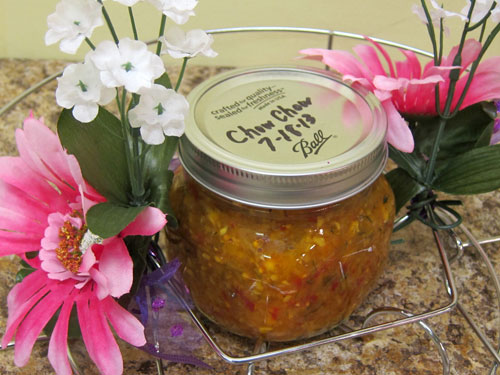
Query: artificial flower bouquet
[[82, 208], [443, 125]]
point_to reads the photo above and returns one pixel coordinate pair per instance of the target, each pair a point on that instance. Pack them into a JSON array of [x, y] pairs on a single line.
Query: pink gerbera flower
[[43, 200], [405, 88]]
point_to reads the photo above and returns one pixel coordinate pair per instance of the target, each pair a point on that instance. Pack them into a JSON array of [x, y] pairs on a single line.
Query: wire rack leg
[[473, 242], [260, 347]]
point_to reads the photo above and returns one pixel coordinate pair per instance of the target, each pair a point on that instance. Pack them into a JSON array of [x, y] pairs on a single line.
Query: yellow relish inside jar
[[284, 216]]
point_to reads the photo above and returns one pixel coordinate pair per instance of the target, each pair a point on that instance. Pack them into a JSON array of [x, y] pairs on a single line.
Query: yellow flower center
[[68, 252]]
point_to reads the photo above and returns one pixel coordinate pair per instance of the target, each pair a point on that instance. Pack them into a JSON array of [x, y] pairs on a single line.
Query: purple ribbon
[[168, 328]]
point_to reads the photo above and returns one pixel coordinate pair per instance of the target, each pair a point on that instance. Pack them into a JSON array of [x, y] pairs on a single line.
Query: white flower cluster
[[128, 64], [480, 10]]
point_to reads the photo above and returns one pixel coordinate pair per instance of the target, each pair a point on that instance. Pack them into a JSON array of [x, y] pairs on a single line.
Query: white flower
[[178, 11], [129, 64], [80, 88], [481, 8], [495, 14], [437, 13], [180, 44], [128, 3], [160, 112], [72, 22]]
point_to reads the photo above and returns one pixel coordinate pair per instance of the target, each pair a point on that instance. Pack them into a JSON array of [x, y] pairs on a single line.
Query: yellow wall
[[23, 25]]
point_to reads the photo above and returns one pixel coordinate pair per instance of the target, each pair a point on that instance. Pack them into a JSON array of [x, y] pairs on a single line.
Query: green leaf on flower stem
[[403, 185], [100, 151], [108, 219], [474, 172], [159, 177], [164, 80], [410, 162], [470, 128]]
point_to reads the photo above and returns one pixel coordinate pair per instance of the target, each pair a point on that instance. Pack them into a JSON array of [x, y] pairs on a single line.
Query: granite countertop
[[412, 281]]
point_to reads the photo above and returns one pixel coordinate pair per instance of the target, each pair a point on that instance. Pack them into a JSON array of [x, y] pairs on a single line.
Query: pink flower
[[404, 88], [43, 200]]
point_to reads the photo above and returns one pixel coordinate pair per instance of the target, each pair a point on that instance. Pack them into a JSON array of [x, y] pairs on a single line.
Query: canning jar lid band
[[283, 137]]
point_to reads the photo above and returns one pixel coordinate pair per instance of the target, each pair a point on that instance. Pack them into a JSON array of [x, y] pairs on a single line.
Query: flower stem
[[435, 149], [430, 30], [441, 32], [160, 33], [482, 22], [139, 196], [108, 22], [132, 22], [132, 160], [181, 74], [89, 42], [475, 65]]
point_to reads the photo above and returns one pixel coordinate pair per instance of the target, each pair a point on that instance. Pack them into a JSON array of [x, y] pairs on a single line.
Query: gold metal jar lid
[[283, 137]]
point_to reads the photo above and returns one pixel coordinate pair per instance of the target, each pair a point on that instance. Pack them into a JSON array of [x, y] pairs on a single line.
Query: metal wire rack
[[264, 351]]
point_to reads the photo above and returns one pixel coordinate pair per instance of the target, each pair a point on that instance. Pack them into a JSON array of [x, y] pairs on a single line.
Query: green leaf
[[404, 186], [100, 150], [164, 80], [108, 219], [138, 247], [467, 130], [485, 138], [410, 162], [22, 273], [474, 172], [25, 270], [159, 177]]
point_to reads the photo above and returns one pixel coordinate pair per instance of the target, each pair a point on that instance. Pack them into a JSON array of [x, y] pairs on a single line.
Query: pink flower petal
[[58, 344], [41, 150], [470, 52], [88, 260], [47, 255], [341, 61], [14, 171], [485, 84], [61, 276], [98, 338], [21, 299], [35, 320], [389, 84], [102, 283], [76, 173], [126, 325], [52, 265], [84, 321], [398, 132], [150, 221], [14, 199], [370, 58], [17, 243], [117, 266], [385, 55], [410, 68]]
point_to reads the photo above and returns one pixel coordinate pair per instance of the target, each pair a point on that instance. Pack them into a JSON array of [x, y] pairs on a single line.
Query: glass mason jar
[[284, 216]]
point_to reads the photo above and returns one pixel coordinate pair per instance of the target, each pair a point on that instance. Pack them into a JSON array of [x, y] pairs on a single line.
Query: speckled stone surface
[[412, 281]]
